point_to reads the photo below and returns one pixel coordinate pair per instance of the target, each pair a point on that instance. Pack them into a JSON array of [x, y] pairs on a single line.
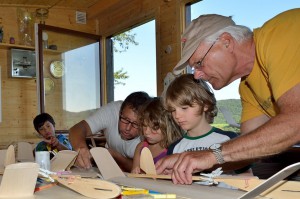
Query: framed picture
[[23, 63]]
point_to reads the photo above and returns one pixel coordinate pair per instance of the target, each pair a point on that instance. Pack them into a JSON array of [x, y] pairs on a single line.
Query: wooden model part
[[283, 189], [245, 183], [19, 180], [10, 157], [146, 161], [2, 158], [155, 176], [63, 160], [7, 157], [276, 186], [25, 152], [92, 188], [112, 172], [108, 168]]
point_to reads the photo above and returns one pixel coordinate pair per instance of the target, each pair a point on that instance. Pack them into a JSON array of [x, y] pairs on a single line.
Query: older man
[[267, 61]]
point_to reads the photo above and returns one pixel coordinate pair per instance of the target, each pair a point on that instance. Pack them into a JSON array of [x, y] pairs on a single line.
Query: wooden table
[[189, 191], [198, 191]]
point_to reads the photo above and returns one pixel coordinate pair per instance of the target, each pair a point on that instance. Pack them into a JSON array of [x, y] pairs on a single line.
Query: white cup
[[43, 159]]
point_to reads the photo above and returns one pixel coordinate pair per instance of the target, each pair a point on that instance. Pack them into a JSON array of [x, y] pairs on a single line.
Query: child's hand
[[53, 141], [136, 170]]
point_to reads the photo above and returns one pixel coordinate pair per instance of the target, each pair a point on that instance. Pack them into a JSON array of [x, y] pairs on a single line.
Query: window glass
[[69, 75], [83, 72], [138, 62]]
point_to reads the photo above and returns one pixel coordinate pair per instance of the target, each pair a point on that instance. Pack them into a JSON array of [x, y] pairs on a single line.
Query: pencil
[[44, 187]]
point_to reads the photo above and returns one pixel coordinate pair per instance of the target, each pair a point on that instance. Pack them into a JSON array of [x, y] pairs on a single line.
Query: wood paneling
[[106, 18], [19, 95], [70, 4]]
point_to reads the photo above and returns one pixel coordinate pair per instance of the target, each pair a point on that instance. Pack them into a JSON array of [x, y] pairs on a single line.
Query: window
[[138, 62]]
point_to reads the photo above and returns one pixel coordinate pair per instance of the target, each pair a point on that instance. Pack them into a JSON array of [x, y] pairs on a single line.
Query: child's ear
[[205, 108]]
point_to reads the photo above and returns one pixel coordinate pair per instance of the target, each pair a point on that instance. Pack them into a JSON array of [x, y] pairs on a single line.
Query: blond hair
[[186, 91]]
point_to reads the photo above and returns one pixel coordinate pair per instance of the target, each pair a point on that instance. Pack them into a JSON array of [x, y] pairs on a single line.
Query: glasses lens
[[126, 121], [134, 125]]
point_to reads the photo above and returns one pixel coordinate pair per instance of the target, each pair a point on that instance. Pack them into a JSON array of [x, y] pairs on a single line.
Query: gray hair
[[240, 33]]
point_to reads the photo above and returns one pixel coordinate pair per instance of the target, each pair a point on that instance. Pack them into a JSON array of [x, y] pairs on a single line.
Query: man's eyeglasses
[[199, 63], [126, 121]]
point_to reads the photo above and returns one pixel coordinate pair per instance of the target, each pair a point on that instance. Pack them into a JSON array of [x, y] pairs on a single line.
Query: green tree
[[121, 44], [122, 41], [120, 75]]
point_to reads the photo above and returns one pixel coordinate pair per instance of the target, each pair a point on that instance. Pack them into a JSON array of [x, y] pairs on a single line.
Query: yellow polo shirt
[[277, 65]]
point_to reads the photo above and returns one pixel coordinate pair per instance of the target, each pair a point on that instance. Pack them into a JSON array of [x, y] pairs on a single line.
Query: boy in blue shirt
[[44, 124]]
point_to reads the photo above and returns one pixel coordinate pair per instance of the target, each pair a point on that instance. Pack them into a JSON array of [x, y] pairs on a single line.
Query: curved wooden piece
[[10, 157], [92, 188], [146, 162]]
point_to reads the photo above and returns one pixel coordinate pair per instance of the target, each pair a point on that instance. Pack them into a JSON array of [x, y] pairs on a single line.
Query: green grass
[[221, 126], [235, 107], [226, 127]]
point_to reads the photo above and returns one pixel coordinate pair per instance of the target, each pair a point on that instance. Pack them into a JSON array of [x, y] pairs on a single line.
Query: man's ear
[[226, 40]]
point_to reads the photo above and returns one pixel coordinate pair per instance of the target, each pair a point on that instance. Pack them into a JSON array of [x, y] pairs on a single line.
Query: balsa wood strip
[[155, 176]]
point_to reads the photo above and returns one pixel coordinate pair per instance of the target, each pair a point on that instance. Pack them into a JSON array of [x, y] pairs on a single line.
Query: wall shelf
[[9, 46], [49, 51]]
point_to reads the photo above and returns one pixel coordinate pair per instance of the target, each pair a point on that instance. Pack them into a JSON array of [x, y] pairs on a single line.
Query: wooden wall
[[19, 100], [19, 95]]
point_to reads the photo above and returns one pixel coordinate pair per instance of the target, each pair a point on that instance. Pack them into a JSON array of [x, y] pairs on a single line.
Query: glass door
[[68, 74]]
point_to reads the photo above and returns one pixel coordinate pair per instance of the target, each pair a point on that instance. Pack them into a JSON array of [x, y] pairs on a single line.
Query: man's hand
[[182, 166], [166, 164], [77, 136], [84, 158]]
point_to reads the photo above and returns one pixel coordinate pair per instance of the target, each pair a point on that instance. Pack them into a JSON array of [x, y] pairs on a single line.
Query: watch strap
[[218, 154]]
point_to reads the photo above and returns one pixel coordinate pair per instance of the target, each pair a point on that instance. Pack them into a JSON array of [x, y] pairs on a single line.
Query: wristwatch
[[217, 151]]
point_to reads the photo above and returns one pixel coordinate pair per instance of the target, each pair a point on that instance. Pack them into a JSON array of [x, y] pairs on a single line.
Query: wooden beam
[[103, 5]]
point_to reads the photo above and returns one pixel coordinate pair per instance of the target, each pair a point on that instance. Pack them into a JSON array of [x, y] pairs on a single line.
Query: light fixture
[[42, 14]]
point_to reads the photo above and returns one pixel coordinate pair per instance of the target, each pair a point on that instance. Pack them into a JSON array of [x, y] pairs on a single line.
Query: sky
[[140, 62]]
